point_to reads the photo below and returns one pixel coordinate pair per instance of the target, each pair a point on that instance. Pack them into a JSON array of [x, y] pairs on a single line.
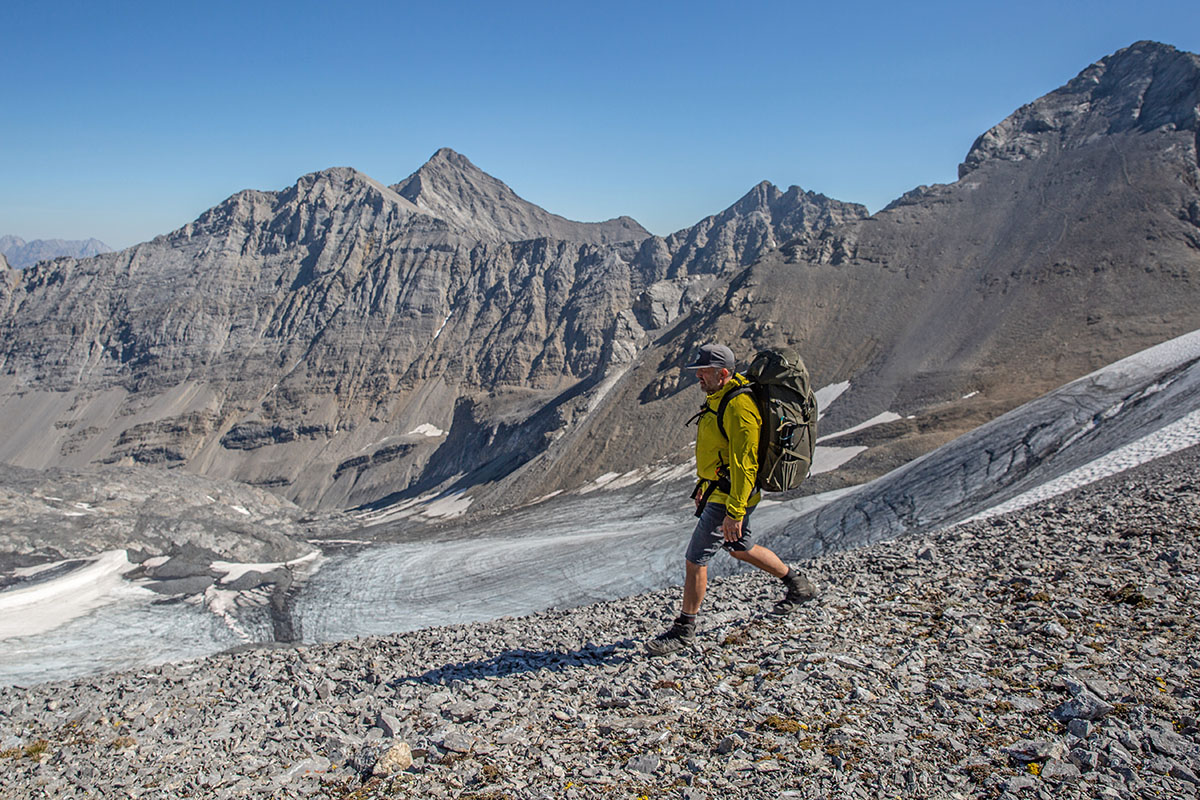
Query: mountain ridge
[[334, 317], [298, 339]]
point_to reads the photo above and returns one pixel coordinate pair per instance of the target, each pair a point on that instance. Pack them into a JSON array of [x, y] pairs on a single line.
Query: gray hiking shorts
[[707, 538]]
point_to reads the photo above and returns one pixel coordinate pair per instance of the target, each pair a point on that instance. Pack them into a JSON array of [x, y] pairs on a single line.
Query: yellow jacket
[[737, 456]]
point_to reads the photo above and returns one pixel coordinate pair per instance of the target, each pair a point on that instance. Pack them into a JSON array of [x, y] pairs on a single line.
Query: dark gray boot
[[799, 590], [681, 634]]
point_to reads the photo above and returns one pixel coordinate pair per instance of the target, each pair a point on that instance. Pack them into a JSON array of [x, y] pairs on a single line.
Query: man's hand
[[732, 528]]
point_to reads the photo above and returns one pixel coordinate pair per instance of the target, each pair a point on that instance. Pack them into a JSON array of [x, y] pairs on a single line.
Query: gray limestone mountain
[[337, 341], [21, 254], [343, 343]]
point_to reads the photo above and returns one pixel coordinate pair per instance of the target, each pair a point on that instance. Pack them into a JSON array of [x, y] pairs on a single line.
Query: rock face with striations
[[339, 340]]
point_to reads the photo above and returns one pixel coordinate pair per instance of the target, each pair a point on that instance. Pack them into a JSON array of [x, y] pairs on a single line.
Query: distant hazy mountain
[[342, 342], [21, 254]]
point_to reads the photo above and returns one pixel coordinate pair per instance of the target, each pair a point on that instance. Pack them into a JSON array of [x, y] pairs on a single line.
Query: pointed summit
[[1144, 87], [449, 186]]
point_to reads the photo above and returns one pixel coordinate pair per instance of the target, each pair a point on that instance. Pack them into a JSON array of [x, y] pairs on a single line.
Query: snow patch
[[599, 483], [223, 602], [430, 506], [234, 570], [37, 609], [878, 419], [427, 430], [605, 387], [827, 394], [969, 396], [827, 459], [442, 328], [241, 510]]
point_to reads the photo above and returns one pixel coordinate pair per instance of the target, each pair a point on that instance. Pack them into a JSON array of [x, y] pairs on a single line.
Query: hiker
[[725, 496]]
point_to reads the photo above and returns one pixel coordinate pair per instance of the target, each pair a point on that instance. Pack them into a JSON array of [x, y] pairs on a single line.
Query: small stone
[[1020, 783], [458, 742], [1059, 771], [1182, 773], [645, 764], [1033, 750], [1169, 744], [1159, 765], [388, 724], [863, 695], [1085, 705], [308, 767], [462, 710], [397, 759], [727, 745], [1054, 630], [1080, 727]]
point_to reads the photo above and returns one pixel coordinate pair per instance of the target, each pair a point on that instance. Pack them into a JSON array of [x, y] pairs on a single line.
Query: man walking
[[725, 496]]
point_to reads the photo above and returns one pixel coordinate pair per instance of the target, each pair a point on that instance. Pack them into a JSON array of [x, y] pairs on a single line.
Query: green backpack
[[780, 385]]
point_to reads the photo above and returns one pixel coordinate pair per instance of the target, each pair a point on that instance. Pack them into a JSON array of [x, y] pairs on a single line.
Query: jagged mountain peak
[[449, 186], [1144, 87], [761, 197]]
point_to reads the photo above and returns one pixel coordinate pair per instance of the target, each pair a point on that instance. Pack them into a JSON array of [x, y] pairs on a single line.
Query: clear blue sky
[[127, 120]]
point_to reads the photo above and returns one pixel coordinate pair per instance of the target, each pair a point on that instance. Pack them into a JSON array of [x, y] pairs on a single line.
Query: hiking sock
[[687, 619]]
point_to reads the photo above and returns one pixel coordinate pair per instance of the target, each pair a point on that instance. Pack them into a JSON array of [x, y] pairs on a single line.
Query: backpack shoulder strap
[[724, 404]]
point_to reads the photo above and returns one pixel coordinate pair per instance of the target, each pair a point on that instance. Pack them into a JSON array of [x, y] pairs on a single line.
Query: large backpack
[[780, 385]]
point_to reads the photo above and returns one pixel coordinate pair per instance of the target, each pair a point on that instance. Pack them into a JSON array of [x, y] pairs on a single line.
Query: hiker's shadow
[[514, 662]]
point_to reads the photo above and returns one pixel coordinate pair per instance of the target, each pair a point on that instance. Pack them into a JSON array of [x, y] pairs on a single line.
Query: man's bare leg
[[756, 556], [695, 583]]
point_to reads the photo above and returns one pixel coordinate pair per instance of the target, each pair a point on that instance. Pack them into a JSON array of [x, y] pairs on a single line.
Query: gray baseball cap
[[713, 355]]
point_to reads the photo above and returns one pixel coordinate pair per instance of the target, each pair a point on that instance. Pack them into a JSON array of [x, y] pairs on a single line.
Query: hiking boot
[[799, 591], [681, 634]]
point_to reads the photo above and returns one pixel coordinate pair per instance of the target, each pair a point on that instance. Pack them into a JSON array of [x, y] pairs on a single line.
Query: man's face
[[711, 378]]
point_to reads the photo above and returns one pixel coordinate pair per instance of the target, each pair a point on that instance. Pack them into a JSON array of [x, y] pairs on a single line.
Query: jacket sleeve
[[743, 424]]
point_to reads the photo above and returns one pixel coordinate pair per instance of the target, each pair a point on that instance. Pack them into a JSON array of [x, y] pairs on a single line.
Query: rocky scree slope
[[321, 340], [1049, 652], [1071, 240]]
